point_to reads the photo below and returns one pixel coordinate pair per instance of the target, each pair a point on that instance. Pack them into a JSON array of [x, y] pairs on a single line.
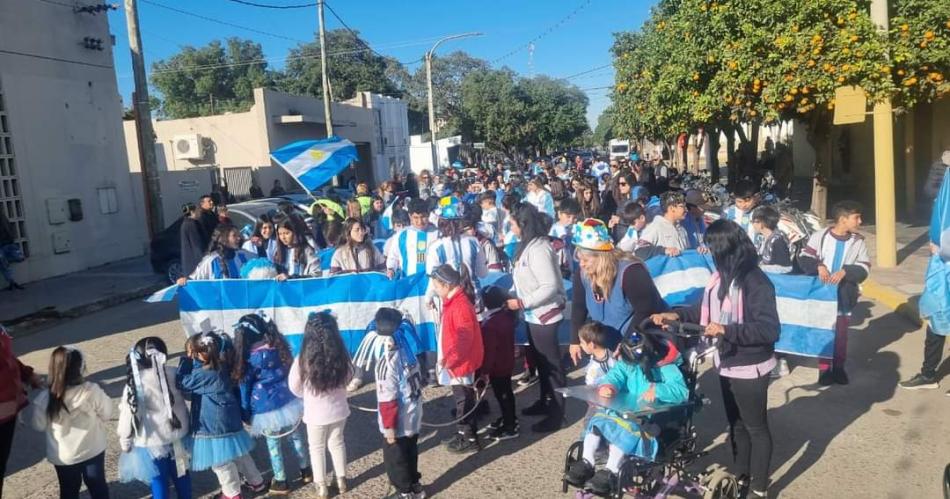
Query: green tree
[[448, 72], [350, 66], [604, 131], [722, 63], [198, 81], [556, 112], [495, 111]]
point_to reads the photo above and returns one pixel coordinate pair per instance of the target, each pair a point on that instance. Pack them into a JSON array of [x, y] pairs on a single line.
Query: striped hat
[[592, 234]]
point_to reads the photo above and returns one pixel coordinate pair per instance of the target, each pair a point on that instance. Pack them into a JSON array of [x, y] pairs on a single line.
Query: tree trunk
[[819, 136], [713, 159], [754, 139], [731, 161]]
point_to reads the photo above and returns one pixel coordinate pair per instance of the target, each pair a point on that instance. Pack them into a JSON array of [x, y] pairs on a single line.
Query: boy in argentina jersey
[[407, 254], [839, 255]]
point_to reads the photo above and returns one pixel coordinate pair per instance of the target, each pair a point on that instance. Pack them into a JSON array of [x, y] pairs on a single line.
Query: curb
[[27, 324], [897, 301]]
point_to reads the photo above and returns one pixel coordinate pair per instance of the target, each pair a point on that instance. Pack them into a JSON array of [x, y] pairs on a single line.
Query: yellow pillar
[[910, 175], [884, 185]]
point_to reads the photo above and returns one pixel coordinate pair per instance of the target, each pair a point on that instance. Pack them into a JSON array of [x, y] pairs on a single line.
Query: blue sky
[[568, 44]]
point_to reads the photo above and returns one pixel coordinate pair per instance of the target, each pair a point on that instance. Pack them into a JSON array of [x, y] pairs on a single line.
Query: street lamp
[[435, 154]]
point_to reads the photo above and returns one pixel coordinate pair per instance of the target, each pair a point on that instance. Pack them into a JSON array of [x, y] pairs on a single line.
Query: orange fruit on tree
[[811, 63], [905, 27], [929, 35], [854, 38], [841, 79], [806, 90], [909, 82], [900, 72]]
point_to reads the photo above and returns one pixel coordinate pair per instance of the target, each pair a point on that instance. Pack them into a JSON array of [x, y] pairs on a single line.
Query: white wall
[[65, 120]]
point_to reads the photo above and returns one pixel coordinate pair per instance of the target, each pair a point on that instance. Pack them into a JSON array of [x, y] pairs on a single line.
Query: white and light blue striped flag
[[807, 308], [313, 163], [352, 298]]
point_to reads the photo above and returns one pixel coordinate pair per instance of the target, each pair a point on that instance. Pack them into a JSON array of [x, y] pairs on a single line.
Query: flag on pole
[[313, 163]]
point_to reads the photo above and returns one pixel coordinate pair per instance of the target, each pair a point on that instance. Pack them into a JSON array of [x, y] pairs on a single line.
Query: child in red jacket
[[498, 336], [460, 353]]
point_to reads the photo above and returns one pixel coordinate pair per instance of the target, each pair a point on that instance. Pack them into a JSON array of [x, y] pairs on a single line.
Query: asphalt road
[[866, 440]]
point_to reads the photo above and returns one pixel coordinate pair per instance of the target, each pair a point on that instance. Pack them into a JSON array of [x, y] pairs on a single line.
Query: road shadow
[[103, 323], [912, 247], [802, 428]]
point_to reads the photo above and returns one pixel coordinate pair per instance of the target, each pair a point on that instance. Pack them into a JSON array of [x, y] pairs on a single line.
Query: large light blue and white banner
[[807, 308], [313, 163], [353, 299]]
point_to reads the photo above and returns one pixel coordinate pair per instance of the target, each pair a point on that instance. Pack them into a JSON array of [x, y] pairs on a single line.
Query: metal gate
[[238, 181], [10, 201]]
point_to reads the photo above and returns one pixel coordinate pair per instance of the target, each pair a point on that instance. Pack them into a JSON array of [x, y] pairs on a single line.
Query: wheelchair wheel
[[573, 454], [720, 484]]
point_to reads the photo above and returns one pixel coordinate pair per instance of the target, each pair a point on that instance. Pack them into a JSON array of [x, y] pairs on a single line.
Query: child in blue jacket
[[649, 374], [219, 440], [267, 405]]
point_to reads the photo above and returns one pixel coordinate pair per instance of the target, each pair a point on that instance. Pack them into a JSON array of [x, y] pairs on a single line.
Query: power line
[[223, 23], [57, 59], [271, 6], [357, 36], [198, 67], [592, 70], [544, 33]]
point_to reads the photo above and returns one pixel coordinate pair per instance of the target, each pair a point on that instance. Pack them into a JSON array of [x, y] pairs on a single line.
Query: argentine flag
[[352, 298], [807, 308], [313, 163]]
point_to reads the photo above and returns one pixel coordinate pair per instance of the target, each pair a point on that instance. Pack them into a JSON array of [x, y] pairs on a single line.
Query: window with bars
[[10, 198]]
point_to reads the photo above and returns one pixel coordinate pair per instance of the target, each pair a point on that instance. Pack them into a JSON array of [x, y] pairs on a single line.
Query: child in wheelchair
[[646, 372]]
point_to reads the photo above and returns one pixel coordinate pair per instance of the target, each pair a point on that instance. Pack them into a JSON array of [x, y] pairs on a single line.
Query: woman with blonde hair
[[612, 287]]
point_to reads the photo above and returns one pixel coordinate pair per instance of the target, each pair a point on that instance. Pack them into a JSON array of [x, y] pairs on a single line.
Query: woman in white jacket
[[74, 413], [153, 420], [540, 289]]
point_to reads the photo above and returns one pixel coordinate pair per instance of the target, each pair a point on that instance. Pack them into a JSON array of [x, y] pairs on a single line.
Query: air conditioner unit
[[188, 147]]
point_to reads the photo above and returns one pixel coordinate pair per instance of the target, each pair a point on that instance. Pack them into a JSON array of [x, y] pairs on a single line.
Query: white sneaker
[[323, 492], [354, 384]]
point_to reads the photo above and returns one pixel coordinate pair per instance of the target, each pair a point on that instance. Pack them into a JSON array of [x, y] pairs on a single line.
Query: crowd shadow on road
[[97, 325], [802, 428]]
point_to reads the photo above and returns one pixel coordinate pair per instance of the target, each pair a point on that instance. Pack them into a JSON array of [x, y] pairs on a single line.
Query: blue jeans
[[167, 471], [92, 472]]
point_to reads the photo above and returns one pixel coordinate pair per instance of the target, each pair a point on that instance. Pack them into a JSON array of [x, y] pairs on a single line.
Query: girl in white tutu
[[267, 405], [153, 421], [219, 441]]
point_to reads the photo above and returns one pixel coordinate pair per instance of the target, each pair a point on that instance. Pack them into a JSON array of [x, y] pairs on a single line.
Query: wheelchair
[[672, 428]]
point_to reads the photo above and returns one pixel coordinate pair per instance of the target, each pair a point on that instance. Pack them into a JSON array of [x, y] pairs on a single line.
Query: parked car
[[165, 248]]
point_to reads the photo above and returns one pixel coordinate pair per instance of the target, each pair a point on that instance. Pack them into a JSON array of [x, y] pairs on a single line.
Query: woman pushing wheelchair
[[739, 309]]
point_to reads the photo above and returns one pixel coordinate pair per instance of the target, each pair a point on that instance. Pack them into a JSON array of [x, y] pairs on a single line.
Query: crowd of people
[[593, 225]]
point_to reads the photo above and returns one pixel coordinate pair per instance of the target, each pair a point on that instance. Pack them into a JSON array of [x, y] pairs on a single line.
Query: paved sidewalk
[[79, 293], [899, 288]]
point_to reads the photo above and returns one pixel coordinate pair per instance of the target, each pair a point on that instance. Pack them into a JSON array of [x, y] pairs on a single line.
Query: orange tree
[[920, 50], [722, 63]]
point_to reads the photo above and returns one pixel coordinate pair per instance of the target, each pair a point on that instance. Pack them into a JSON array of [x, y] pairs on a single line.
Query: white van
[[618, 148]]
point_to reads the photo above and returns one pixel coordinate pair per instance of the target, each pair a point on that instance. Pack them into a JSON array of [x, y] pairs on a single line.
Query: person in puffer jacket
[[261, 367], [460, 353], [12, 396], [74, 413]]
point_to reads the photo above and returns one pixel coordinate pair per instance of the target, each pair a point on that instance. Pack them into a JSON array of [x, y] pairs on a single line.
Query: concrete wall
[[64, 117]]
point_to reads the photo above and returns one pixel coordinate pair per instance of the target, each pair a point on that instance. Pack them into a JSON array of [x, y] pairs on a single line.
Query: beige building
[[64, 181], [194, 153]]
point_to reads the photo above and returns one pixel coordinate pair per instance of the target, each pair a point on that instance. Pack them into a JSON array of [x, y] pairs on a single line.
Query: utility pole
[[884, 217], [432, 130], [327, 113], [152, 187]]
